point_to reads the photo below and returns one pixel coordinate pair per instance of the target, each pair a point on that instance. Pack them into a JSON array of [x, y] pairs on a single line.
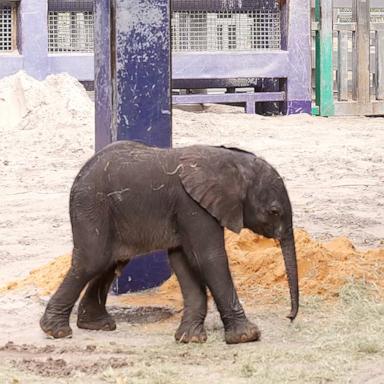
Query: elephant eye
[[274, 211]]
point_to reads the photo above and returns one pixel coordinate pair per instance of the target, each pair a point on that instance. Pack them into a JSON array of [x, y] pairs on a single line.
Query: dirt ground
[[334, 173]]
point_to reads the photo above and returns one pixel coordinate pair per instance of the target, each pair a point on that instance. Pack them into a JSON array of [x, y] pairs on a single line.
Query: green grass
[[328, 343]]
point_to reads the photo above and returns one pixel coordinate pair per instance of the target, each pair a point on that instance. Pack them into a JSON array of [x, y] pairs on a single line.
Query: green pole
[[324, 61]]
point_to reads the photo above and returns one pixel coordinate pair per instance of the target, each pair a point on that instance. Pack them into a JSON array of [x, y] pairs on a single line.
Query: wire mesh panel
[[6, 28], [344, 15], [70, 31], [221, 31]]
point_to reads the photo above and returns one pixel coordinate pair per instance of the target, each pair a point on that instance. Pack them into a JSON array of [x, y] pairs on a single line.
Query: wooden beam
[[361, 13], [379, 76], [14, 26], [342, 66], [355, 108]]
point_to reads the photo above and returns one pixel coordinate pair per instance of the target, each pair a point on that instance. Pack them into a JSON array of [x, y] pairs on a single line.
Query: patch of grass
[[110, 375], [358, 291], [247, 370], [368, 347], [311, 303]]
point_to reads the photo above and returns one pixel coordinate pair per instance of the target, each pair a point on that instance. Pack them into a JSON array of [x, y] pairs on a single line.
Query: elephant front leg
[[206, 251], [191, 328]]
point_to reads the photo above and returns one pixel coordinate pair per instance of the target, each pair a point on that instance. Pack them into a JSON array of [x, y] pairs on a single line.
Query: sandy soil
[[334, 173]]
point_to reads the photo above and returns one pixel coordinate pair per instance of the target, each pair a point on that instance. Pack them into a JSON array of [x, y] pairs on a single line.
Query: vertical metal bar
[[250, 107], [342, 66], [133, 96], [379, 65], [142, 111], [103, 78], [284, 9], [299, 92], [34, 37], [361, 13], [14, 27], [324, 58]]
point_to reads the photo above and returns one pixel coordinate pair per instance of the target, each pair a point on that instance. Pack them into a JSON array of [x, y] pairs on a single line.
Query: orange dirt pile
[[46, 278], [256, 263], [323, 267]]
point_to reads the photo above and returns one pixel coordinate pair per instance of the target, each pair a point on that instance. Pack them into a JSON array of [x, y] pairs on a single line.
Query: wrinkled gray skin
[[130, 199]]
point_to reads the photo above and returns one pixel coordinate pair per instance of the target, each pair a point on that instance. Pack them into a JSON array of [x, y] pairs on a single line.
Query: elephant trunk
[[289, 254]]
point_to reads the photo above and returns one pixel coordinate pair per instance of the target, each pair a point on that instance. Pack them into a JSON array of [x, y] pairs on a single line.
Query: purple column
[[296, 38], [133, 96], [34, 37], [103, 75]]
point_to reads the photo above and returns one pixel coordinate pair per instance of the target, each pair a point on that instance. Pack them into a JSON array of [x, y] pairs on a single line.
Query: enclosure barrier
[[8, 27], [227, 43], [232, 44], [349, 57]]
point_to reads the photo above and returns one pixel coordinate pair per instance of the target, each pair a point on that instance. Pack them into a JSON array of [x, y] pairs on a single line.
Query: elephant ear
[[212, 178]]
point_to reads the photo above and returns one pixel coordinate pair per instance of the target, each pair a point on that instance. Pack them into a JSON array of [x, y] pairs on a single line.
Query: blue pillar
[[133, 96], [103, 74]]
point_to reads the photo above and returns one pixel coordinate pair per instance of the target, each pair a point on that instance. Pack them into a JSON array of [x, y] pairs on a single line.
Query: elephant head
[[243, 191]]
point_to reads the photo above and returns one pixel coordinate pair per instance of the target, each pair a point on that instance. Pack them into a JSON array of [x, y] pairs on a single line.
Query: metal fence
[[222, 31], [6, 28], [191, 31], [350, 57], [70, 31]]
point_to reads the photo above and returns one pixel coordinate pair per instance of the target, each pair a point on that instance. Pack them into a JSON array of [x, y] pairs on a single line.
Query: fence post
[[342, 67], [34, 37], [361, 51], [379, 65], [324, 58]]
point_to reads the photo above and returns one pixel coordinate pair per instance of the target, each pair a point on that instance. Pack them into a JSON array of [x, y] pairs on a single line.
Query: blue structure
[[32, 43], [286, 69], [133, 96], [289, 67]]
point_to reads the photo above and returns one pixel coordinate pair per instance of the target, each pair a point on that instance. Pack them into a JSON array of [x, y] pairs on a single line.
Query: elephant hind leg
[[92, 313], [55, 321], [191, 328]]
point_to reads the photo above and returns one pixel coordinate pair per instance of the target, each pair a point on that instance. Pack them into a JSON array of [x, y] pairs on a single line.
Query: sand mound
[[256, 263], [323, 267], [25, 100], [46, 279]]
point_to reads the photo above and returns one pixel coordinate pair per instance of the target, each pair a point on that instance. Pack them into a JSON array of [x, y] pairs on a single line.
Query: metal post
[[379, 65], [299, 77], [34, 37], [133, 96], [324, 57], [103, 75]]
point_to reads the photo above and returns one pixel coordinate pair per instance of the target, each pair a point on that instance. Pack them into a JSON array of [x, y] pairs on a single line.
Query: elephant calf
[[130, 199]]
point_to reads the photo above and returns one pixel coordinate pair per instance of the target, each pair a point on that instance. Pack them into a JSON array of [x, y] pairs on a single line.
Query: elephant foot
[[105, 323], [191, 333], [242, 332], [55, 327]]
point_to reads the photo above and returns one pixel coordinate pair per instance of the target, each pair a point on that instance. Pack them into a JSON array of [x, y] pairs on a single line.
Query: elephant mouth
[[268, 231]]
